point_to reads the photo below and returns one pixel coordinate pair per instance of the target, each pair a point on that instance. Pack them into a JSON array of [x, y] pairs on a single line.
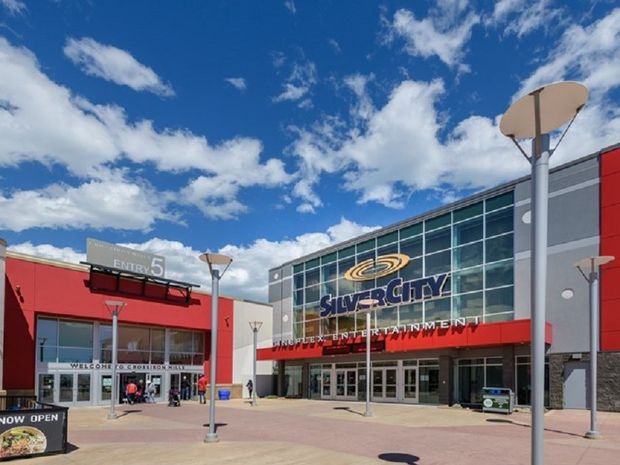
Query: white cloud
[[290, 6], [299, 83], [434, 35], [247, 276], [115, 65], [14, 7], [334, 45], [99, 204], [521, 17], [399, 150], [237, 82], [32, 108]]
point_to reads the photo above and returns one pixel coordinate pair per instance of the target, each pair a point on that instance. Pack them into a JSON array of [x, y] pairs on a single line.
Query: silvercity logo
[[396, 292], [382, 266]]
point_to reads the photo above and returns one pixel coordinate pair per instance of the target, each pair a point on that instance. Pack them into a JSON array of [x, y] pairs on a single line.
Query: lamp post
[[592, 276], [255, 325], [534, 116], [218, 264], [114, 307], [368, 305]]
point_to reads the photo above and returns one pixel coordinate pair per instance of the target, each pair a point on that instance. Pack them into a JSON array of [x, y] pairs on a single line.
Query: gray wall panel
[[275, 291], [287, 288], [287, 270], [287, 311]]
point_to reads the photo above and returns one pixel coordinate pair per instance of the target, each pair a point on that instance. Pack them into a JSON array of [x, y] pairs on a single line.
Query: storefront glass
[[475, 374], [292, 381], [523, 388], [429, 381], [474, 243]]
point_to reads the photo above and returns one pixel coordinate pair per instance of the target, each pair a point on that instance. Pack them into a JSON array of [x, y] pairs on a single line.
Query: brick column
[[508, 367]]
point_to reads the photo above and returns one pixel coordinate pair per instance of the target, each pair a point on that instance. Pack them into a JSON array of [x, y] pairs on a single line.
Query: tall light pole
[[114, 307], [591, 274], [255, 325], [534, 116], [367, 306], [218, 264]]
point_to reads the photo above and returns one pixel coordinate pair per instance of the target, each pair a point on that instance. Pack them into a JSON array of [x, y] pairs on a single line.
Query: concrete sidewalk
[[282, 431]]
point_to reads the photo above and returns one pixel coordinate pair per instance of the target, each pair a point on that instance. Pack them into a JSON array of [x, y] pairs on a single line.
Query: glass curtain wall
[[64, 341], [474, 243]]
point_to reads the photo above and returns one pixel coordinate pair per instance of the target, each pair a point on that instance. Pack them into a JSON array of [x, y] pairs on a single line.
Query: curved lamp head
[[559, 102], [367, 304], [115, 306], [216, 261], [593, 262], [256, 325]]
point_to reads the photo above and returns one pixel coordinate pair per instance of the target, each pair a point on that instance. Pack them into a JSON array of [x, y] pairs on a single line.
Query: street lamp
[[255, 325], [591, 275], [368, 305], [534, 116], [218, 264], [114, 307]]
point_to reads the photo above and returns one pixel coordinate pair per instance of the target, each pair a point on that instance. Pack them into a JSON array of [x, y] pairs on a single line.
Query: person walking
[[185, 389], [202, 388], [250, 386], [130, 392]]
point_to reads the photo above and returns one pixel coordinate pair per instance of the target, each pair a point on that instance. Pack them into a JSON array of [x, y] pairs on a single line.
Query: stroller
[[174, 400]]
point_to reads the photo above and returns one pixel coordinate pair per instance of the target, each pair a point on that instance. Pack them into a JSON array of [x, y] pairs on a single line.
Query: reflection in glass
[[468, 305], [411, 313], [468, 231], [468, 280], [499, 248], [438, 309], [74, 334], [46, 388], [437, 240], [499, 222], [499, 274], [500, 300], [66, 388], [437, 263], [468, 255], [83, 387]]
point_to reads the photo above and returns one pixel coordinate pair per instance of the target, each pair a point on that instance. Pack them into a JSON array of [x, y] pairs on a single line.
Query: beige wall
[[244, 312]]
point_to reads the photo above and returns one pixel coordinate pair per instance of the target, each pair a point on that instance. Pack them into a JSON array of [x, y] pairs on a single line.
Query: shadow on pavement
[[525, 425], [398, 457], [217, 425], [71, 447], [122, 413], [350, 410]]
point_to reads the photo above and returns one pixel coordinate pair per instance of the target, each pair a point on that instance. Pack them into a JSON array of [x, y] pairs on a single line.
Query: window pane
[[468, 305], [328, 325], [158, 339], [468, 212], [468, 255], [346, 252], [47, 332], [298, 268], [312, 328], [467, 281], [329, 272], [437, 222], [199, 342], [132, 356], [312, 263], [313, 293], [157, 357], [365, 246], [365, 256], [387, 317], [180, 341], [312, 277], [329, 288], [499, 274], [412, 247], [499, 248], [344, 265], [48, 354], [346, 323], [411, 231], [66, 355], [181, 358], [500, 300], [437, 309], [411, 313], [437, 240], [298, 297], [133, 338], [388, 249], [413, 269], [299, 281], [499, 222], [346, 287], [468, 231], [66, 388], [74, 334], [312, 312], [437, 263], [494, 376], [298, 314], [499, 317], [329, 258], [499, 201], [388, 238]]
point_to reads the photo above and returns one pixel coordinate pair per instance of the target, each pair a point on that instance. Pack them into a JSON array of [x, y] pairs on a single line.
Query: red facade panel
[[610, 245], [37, 288], [492, 334]]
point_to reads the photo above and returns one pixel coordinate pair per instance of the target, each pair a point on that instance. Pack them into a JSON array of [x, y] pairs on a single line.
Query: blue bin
[[223, 394]]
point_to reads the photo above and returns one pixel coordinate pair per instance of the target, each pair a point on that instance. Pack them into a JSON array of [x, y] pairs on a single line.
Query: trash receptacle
[[223, 394], [499, 400]]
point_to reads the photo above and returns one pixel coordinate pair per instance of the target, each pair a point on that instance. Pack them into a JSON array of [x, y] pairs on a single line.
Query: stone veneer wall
[[608, 380]]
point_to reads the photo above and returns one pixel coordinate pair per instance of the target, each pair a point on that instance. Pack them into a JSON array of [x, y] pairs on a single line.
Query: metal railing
[[17, 402]]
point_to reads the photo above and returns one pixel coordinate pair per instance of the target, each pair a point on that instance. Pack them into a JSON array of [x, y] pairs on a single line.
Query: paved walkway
[[281, 431]]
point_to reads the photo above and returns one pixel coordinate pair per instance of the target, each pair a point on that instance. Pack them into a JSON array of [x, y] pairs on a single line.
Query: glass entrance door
[[326, 384], [384, 384], [73, 388], [410, 384], [346, 383], [46, 388]]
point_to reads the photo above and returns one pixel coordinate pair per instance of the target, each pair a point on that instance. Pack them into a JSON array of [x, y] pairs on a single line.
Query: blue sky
[[267, 130]]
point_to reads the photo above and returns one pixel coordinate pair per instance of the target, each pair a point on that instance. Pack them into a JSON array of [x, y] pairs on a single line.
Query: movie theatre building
[[57, 334], [453, 292]]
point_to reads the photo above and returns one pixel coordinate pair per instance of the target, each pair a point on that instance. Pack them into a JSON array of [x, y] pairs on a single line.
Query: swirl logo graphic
[[376, 268]]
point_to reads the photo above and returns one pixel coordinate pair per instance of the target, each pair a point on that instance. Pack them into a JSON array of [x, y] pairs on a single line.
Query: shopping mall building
[[56, 330], [453, 311]]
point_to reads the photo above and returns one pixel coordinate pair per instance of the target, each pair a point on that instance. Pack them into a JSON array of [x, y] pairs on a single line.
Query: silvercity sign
[[396, 292]]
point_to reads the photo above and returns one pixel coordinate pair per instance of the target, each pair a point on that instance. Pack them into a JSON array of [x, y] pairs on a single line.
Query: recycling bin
[[223, 394], [498, 400]]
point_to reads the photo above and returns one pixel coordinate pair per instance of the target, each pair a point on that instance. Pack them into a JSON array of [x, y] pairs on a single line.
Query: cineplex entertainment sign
[[397, 291]]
